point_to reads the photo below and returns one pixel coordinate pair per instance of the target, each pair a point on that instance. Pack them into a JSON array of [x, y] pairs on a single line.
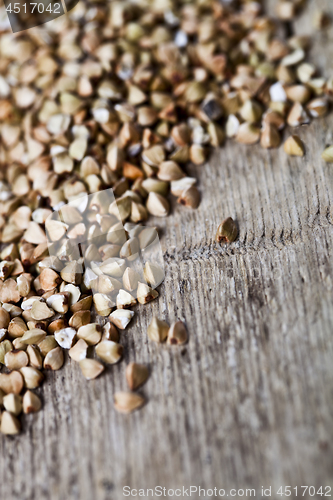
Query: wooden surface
[[248, 402]]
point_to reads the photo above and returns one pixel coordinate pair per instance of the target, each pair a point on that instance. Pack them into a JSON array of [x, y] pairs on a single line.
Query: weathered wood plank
[[248, 402]]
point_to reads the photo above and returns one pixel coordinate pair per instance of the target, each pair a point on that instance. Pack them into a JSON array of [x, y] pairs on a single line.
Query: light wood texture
[[248, 402]]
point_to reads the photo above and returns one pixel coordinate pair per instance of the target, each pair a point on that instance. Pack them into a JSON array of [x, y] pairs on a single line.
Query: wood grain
[[248, 402]]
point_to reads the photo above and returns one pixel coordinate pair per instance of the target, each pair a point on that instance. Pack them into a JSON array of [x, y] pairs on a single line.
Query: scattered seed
[[91, 368], [5, 346], [90, 333], [16, 359], [198, 154], [103, 304], [190, 197], [23, 285], [4, 318], [127, 402], [17, 327], [145, 294], [49, 279], [5, 269], [327, 154], [55, 230], [185, 87], [248, 133], [54, 359], [40, 311], [73, 297], [79, 350], [47, 344], [32, 377], [294, 146], [59, 302], [130, 279], [18, 344], [65, 337], [270, 136], [317, 107], [298, 115], [9, 424], [158, 330], [83, 304], [34, 234], [72, 273], [113, 267], [157, 205], [34, 336], [136, 375], [170, 171], [125, 299], [11, 382], [9, 291], [109, 351], [321, 20], [227, 231], [121, 318], [110, 332], [13, 403], [154, 156], [177, 334], [35, 357], [130, 249], [31, 402], [153, 273], [147, 237]]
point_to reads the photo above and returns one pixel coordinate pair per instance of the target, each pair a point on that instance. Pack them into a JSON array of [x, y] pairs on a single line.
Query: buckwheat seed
[[177, 334], [136, 375], [91, 368], [31, 402], [54, 359], [109, 351], [227, 231], [9, 424], [158, 330], [127, 402], [294, 146]]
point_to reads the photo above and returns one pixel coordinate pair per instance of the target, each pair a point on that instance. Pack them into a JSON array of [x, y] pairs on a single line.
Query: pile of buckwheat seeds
[[124, 95]]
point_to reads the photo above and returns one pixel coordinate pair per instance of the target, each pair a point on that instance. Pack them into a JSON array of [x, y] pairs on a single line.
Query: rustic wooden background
[[248, 402]]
